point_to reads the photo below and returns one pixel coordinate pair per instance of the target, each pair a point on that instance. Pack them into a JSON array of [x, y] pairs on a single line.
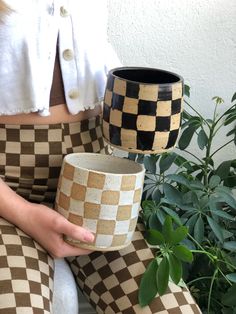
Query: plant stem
[[196, 242], [218, 149], [186, 151], [226, 112], [212, 257], [187, 103], [223, 275], [210, 292], [227, 263], [218, 128], [208, 148], [202, 250], [198, 279]]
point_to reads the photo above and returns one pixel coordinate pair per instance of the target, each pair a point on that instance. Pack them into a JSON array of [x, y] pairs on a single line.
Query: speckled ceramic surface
[[142, 109], [101, 193]]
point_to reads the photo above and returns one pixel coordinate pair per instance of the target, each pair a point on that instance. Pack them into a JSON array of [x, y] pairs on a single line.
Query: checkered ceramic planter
[[142, 109], [101, 193]]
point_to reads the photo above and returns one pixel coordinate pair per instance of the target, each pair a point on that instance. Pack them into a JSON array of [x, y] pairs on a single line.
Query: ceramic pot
[[142, 109], [101, 193]]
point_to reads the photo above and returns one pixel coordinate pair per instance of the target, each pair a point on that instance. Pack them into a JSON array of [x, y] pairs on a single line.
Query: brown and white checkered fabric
[[140, 117], [26, 273], [110, 281], [30, 163], [105, 203], [31, 155]]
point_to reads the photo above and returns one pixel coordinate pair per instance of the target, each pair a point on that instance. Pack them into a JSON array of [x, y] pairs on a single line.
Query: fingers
[[66, 249], [69, 250], [74, 231]]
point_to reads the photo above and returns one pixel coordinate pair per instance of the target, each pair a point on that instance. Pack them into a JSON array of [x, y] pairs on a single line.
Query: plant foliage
[[189, 207]]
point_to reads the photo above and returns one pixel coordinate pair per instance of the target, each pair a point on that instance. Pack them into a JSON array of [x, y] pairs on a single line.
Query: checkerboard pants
[[30, 161], [110, 281]]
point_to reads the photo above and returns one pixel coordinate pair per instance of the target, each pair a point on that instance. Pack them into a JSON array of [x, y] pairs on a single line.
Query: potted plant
[[188, 210]]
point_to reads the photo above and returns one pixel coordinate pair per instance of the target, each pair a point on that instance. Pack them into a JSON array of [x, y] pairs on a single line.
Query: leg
[[26, 273], [110, 281]]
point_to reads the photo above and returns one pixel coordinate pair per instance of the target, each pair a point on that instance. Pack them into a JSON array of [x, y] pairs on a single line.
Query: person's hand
[[47, 227]]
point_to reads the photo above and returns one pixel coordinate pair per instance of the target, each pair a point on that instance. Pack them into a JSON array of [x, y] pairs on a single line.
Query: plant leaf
[[191, 222], [172, 194], [186, 137], [166, 161], [150, 164], [186, 115], [227, 234], [156, 195], [223, 169], [233, 98], [154, 237], [229, 297], [175, 268], [173, 214], [132, 156], [199, 230], [226, 195], [214, 181], [230, 245], [196, 184], [202, 139], [183, 162], [183, 253], [232, 277], [178, 235], [140, 158], [195, 121], [154, 222], [162, 277], [160, 216], [223, 214], [230, 118], [215, 227], [191, 198], [232, 132], [187, 90], [167, 229], [178, 178], [148, 284]]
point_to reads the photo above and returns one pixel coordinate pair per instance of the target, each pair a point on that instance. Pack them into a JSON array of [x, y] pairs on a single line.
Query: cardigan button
[[68, 54], [73, 93], [64, 12]]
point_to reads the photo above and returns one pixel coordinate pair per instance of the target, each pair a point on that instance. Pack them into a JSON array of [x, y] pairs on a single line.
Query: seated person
[[53, 65]]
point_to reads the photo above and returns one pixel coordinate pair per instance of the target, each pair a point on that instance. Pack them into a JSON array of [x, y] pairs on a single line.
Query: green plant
[[167, 263], [198, 195]]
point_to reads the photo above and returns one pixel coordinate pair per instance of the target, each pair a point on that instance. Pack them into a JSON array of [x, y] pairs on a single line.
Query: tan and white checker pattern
[[30, 163], [110, 281], [26, 273], [105, 203], [142, 117], [31, 155]]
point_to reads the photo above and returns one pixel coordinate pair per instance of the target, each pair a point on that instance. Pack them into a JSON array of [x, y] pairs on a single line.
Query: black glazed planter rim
[[176, 78]]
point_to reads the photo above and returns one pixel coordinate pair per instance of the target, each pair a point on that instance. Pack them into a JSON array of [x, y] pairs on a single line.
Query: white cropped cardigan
[[28, 39]]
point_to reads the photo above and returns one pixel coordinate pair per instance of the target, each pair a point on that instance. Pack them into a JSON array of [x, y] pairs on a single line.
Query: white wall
[[194, 38]]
